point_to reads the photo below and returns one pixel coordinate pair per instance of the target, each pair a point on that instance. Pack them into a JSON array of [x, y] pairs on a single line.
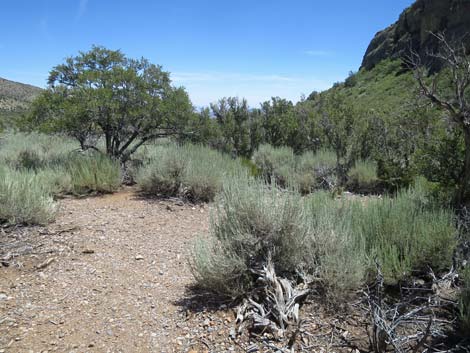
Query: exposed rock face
[[413, 30]]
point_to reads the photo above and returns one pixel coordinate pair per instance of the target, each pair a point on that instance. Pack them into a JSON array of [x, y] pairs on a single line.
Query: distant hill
[[414, 27], [15, 98]]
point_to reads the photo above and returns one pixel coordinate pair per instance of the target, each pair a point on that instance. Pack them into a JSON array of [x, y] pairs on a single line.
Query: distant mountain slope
[[414, 27], [15, 96]]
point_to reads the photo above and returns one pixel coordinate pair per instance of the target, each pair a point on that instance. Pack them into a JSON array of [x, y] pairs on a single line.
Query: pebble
[[139, 257]]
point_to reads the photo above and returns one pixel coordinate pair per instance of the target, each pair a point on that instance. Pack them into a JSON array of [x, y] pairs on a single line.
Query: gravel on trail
[[106, 276], [112, 274]]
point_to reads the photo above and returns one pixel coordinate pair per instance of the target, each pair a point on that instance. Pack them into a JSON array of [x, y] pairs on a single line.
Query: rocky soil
[[112, 275]]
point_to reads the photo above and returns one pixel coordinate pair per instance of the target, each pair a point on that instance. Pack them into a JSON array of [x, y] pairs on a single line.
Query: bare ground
[[112, 275]]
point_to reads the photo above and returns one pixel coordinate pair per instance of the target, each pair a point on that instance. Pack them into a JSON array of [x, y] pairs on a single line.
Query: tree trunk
[[109, 147], [465, 179]]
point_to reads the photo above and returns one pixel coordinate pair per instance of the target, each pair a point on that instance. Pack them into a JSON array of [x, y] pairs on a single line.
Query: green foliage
[[278, 122], [464, 302], [313, 171], [406, 234], [34, 151], [24, 199], [344, 129], [190, 171], [302, 172], [363, 177], [103, 94], [275, 164], [93, 172], [58, 165], [336, 241], [337, 255], [234, 120]]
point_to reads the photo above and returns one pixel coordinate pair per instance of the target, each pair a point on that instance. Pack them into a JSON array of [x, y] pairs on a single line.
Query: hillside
[[414, 27], [15, 97]]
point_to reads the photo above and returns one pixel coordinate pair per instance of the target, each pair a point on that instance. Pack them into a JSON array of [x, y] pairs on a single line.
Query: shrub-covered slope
[[15, 97]]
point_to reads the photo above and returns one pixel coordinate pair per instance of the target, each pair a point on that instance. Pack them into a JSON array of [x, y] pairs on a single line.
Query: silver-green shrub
[[92, 172], [190, 171], [333, 241], [24, 199], [406, 234], [252, 222]]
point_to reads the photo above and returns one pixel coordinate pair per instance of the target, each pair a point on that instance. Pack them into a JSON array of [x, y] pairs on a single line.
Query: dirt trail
[[105, 277]]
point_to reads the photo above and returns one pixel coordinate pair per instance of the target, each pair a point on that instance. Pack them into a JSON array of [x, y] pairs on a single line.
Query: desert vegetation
[[363, 184]]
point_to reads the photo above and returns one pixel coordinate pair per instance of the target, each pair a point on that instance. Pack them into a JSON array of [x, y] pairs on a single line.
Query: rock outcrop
[[414, 30]]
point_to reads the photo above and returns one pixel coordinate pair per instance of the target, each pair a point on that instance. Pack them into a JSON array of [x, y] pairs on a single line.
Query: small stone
[[139, 257], [91, 345], [3, 296], [88, 251], [160, 273], [109, 332]]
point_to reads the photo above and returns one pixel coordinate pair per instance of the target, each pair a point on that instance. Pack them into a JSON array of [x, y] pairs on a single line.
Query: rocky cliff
[[414, 28]]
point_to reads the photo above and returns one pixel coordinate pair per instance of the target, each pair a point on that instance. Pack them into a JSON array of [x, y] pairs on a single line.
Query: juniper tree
[[104, 94]]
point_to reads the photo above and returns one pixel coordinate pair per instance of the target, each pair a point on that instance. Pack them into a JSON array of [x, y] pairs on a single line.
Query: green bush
[[57, 181], [304, 173], [24, 199], [34, 151], [363, 177], [315, 171], [275, 164], [92, 172], [464, 303], [406, 234], [190, 171], [338, 257]]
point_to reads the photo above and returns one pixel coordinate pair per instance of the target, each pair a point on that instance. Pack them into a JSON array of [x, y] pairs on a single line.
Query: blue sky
[[248, 48]]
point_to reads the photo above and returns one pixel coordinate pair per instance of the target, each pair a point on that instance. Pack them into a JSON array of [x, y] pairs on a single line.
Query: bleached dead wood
[[273, 305]]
